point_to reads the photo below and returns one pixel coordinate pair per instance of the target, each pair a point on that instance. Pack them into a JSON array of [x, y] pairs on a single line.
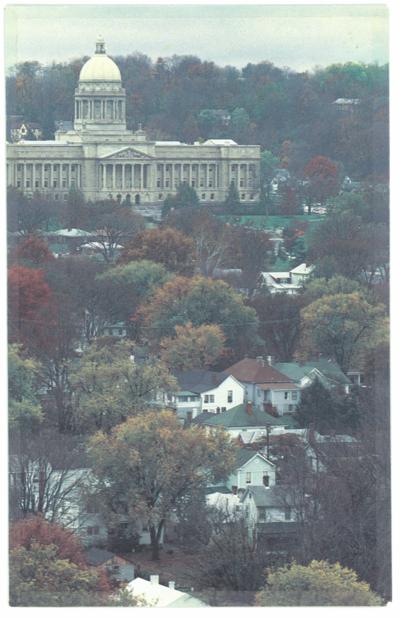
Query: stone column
[[163, 176], [113, 176], [123, 176], [190, 174], [42, 177], [173, 176], [33, 175], [207, 175], [51, 175]]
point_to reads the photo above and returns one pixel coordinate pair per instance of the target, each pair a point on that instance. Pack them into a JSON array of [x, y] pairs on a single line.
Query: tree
[[318, 583], [343, 244], [25, 410], [75, 212], [166, 246], [279, 322], [147, 464], [32, 251], [123, 288], [200, 301], [25, 215], [28, 297], [323, 178], [234, 558], [193, 347], [39, 578], [339, 326], [185, 197], [249, 250], [327, 411], [109, 386], [232, 201], [268, 164], [43, 473], [114, 225], [317, 287], [27, 532]]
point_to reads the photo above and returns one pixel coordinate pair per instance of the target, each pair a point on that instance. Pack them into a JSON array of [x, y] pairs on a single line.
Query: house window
[[205, 410], [54, 183], [266, 479], [72, 168], [193, 183], [248, 477], [64, 184], [18, 184], [46, 184], [28, 183], [203, 196], [230, 396], [158, 183], [212, 398], [206, 399], [92, 530], [242, 196], [286, 395], [262, 513], [223, 409], [160, 196], [290, 407], [294, 395], [242, 183], [211, 196], [288, 513]]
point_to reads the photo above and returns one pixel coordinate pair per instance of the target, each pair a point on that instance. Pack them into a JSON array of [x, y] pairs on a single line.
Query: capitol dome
[[100, 67]]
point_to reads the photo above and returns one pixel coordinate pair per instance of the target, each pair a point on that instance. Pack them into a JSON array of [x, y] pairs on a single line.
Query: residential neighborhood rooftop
[[243, 416], [256, 371]]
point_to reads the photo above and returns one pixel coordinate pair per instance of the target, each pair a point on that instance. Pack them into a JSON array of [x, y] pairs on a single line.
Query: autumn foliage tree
[[200, 301], [32, 251], [318, 583], [26, 532], [323, 177], [167, 246], [29, 296], [193, 347], [150, 462]]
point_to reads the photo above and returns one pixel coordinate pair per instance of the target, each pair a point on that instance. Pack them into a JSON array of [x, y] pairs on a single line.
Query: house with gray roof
[[202, 391]]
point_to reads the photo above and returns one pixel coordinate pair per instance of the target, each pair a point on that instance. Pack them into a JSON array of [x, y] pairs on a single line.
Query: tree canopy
[[319, 583]]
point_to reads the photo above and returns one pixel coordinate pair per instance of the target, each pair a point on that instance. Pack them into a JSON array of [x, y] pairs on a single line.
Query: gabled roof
[[238, 417], [244, 455], [96, 556], [303, 269], [156, 595], [127, 153], [275, 496], [254, 371], [329, 369], [200, 380]]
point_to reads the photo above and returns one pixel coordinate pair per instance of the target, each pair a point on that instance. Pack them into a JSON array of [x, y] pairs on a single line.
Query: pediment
[[128, 154]]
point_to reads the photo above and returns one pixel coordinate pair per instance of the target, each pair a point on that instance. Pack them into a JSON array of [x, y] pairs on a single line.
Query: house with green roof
[[247, 417], [325, 370]]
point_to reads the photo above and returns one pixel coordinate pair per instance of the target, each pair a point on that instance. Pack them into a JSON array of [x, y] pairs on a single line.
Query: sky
[[297, 36]]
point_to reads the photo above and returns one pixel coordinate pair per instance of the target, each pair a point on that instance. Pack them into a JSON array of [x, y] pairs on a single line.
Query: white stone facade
[[102, 159]]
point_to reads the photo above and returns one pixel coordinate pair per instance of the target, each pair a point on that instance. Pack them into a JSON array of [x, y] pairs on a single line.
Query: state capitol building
[[103, 159]]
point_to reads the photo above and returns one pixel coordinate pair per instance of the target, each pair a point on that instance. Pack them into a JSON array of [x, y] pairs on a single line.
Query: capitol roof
[[100, 67]]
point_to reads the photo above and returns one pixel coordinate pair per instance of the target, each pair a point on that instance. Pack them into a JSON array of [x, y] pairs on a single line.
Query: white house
[[269, 504], [265, 386], [204, 391], [153, 594], [288, 282], [252, 468], [242, 418]]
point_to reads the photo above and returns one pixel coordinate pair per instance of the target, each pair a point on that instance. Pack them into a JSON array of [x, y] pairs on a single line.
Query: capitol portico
[[103, 159]]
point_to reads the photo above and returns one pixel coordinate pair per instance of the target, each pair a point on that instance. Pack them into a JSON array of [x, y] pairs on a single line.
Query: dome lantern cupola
[[99, 97], [100, 45]]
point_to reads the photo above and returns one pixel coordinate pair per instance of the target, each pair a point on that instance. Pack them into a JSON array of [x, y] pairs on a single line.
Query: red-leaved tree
[[36, 529], [32, 250], [323, 177]]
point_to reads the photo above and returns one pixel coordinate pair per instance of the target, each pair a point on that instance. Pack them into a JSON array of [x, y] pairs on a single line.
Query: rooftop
[[328, 368], [256, 371], [200, 380], [239, 417]]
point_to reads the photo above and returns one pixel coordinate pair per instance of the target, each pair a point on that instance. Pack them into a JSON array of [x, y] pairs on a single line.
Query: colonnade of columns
[[243, 175], [124, 176], [100, 109], [41, 175]]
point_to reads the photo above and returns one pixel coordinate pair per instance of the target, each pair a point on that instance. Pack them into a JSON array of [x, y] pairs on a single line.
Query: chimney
[[154, 579], [171, 585], [260, 361], [249, 408]]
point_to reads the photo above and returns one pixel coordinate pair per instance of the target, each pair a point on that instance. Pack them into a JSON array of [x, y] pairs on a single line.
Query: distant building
[[19, 129], [101, 158], [153, 594]]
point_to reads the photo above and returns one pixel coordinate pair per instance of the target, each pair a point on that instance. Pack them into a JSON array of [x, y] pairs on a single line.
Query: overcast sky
[[300, 37]]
